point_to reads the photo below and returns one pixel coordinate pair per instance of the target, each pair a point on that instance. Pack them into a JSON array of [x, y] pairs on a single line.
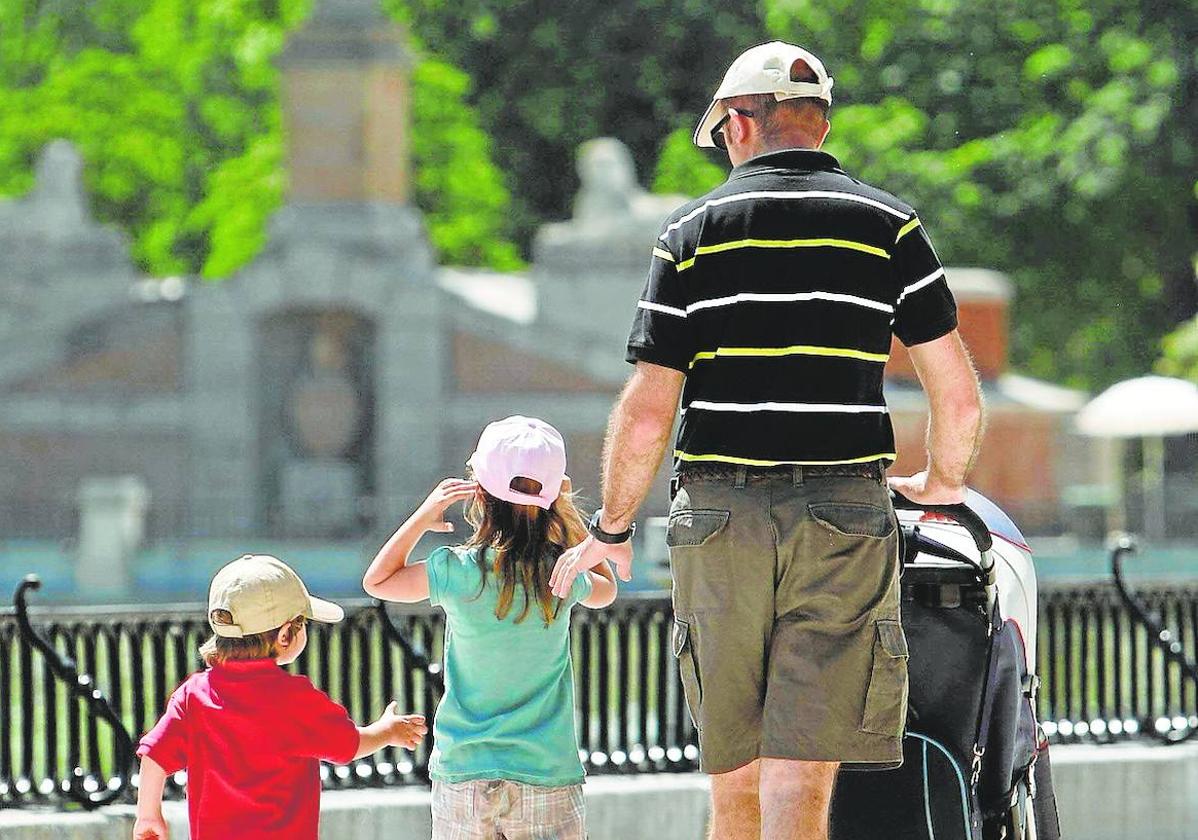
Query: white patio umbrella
[[1151, 408]]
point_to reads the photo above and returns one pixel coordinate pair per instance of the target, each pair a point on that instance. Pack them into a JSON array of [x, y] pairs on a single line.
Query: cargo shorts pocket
[[698, 557], [853, 519], [886, 698], [690, 527], [688, 668]]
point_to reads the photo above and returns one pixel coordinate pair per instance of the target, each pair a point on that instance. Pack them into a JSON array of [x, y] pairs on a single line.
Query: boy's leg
[[456, 815], [545, 813]]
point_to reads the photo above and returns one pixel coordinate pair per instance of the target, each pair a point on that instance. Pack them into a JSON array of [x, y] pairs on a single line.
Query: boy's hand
[[151, 827], [431, 513], [405, 731]]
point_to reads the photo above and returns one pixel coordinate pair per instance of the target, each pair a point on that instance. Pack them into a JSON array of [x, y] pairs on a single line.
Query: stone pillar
[[347, 242], [345, 106], [112, 518]]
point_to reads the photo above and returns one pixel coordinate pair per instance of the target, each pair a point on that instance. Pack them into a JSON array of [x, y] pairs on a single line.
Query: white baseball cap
[[766, 68], [261, 593], [520, 447]]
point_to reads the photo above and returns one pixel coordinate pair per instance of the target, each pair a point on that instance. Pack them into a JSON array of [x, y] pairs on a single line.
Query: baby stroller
[[975, 762]]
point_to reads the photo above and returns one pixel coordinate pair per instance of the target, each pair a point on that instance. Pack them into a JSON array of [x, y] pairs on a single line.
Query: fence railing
[[632, 715], [1103, 676], [1102, 681]]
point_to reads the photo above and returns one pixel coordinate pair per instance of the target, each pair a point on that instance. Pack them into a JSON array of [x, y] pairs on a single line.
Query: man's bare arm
[[638, 435], [954, 421]]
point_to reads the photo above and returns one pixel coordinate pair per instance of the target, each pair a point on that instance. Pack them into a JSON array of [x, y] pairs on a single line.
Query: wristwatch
[[605, 537]]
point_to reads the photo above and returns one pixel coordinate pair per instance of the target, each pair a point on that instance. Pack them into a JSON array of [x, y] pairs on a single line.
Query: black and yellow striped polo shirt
[[777, 294]]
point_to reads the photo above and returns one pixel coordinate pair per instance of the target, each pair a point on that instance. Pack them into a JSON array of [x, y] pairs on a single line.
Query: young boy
[[250, 735]]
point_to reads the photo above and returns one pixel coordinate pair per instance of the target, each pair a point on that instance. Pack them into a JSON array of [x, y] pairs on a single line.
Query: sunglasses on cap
[[717, 130]]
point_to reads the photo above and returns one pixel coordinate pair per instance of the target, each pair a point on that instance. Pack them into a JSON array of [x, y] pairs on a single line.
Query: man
[[772, 299]]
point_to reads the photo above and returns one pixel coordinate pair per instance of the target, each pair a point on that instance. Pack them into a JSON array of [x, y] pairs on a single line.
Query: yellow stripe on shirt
[[753, 462], [796, 350], [907, 228], [783, 243]]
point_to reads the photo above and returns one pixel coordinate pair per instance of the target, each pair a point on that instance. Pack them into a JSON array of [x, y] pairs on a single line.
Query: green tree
[[460, 190], [549, 76], [1055, 141], [166, 100], [683, 168], [174, 104], [1181, 352]]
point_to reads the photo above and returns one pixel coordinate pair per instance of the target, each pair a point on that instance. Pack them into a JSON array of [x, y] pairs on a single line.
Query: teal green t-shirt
[[508, 709]]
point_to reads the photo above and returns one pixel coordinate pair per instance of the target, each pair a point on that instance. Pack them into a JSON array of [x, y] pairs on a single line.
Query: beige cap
[[262, 593], [765, 68]]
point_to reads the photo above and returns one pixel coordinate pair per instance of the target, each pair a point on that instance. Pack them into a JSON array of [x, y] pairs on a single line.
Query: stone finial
[[57, 212], [58, 196], [347, 11], [610, 206], [608, 178]]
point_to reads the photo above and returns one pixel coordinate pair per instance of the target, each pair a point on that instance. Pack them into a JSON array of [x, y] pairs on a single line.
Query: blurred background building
[[153, 428]]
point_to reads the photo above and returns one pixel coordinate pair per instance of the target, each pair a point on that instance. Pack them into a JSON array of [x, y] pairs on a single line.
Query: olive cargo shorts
[[786, 605]]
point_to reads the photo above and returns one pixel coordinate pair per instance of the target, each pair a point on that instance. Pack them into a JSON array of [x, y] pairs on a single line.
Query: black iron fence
[[1103, 680], [632, 713], [1104, 676]]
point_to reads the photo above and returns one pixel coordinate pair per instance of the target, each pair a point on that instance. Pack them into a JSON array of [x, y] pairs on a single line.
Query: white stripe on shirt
[[660, 307], [762, 297], [919, 284], [787, 195]]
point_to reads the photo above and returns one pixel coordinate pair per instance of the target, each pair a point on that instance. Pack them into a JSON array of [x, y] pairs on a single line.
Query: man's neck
[[786, 144], [775, 149]]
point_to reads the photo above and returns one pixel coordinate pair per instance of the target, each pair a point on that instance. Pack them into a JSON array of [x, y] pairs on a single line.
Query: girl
[[505, 756]]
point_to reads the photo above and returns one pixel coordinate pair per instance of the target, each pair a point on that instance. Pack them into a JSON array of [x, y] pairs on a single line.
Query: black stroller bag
[[973, 762]]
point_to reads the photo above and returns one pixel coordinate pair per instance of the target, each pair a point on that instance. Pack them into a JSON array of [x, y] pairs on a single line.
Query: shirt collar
[[243, 666], [809, 159]]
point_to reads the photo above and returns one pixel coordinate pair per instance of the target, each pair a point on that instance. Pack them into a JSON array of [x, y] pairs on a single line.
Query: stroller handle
[[961, 513]]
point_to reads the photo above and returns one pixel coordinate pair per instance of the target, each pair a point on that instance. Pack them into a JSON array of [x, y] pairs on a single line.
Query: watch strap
[[596, 531]]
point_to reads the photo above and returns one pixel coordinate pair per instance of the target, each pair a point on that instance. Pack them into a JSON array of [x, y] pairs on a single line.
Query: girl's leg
[[456, 815], [545, 813]]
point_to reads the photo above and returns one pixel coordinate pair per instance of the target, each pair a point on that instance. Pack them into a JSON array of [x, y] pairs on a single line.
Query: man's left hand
[[587, 555]]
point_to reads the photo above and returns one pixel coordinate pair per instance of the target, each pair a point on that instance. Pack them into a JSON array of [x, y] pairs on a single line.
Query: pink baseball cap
[[520, 447]]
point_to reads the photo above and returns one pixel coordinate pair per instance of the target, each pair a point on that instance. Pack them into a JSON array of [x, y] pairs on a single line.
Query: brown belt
[[690, 472]]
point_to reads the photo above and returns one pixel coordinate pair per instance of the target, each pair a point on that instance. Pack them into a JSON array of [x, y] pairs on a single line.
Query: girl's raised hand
[[432, 511]]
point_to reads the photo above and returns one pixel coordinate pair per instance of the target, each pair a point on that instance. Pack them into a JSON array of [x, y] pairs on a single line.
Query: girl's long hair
[[527, 540]]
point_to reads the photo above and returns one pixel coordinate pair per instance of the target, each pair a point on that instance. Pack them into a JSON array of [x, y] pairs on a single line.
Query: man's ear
[[824, 136], [743, 125]]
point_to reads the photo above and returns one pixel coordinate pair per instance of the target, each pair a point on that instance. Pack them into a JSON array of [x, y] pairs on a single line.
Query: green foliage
[[174, 106], [1054, 142], [682, 168], [1181, 352], [461, 192], [549, 76]]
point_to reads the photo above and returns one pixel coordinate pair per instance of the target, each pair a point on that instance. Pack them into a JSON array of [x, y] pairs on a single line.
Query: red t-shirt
[[251, 737]]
